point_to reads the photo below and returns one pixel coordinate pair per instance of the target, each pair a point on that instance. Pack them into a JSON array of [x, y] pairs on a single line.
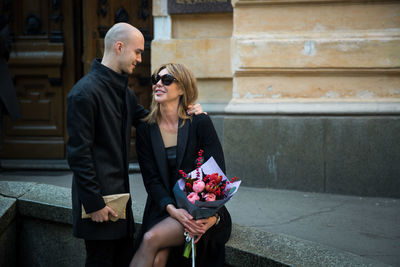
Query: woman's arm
[[209, 142]]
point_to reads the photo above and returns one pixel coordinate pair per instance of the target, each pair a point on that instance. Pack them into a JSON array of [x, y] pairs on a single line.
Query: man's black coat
[[101, 110]]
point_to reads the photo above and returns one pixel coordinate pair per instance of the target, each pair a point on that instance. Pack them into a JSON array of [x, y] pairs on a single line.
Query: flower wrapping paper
[[200, 209]]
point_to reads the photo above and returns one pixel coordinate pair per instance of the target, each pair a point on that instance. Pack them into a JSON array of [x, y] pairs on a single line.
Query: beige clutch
[[117, 202]]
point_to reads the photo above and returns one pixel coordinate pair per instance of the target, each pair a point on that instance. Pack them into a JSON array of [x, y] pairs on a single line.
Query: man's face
[[131, 54]]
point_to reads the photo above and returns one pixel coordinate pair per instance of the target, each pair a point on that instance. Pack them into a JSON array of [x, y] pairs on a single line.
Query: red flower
[[213, 182]]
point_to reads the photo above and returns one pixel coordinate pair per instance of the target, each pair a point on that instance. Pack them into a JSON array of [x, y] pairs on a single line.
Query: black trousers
[[110, 253]]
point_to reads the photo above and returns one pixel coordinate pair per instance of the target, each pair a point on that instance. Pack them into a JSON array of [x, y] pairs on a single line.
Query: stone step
[[46, 165]]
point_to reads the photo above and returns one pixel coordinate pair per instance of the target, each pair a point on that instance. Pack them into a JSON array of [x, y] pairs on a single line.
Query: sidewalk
[[368, 227]]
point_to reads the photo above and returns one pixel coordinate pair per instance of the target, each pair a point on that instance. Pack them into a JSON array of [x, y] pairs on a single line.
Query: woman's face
[[166, 93]]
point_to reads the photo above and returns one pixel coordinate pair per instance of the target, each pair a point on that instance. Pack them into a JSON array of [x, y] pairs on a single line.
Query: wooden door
[[98, 17], [43, 67], [54, 43]]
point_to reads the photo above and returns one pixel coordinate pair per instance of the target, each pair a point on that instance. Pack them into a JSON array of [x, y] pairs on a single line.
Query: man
[[8, 98], [100, 112]]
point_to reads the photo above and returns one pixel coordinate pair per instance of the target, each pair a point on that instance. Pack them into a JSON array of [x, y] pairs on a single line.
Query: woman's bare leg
[[161, 257], [167, 233]]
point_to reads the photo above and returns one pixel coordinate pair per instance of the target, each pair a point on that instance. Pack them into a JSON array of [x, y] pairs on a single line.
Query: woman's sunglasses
[[166, 79]]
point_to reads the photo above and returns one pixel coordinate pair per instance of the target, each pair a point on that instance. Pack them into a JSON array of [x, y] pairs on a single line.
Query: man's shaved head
[[123, 48], [120, 32]]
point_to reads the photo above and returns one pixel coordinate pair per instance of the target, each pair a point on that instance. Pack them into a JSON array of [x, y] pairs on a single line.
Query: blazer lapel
[[159, 153], [183, 133]]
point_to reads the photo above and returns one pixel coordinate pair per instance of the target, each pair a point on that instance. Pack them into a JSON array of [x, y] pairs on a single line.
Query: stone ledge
[[313, 108], [47, 164], [15, 189], [251, 247], [247, 246], [8, 211], [46, 202]]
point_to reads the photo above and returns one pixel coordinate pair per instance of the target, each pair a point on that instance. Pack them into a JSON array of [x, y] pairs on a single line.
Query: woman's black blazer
[[198, 133]]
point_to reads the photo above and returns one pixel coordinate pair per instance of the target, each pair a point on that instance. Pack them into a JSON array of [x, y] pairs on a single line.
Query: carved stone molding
[[313, 107]]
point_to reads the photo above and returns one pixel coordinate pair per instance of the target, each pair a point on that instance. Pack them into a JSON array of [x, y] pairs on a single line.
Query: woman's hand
[[205, 225], [182, 216]]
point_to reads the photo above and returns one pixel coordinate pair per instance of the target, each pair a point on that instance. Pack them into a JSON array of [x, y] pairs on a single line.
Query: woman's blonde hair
[[186, 82]]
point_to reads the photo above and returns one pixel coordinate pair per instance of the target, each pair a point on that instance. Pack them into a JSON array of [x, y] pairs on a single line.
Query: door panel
[[54, 44], [42, 66]]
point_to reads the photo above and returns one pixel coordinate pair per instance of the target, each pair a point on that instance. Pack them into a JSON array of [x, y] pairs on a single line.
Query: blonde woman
[[168, 141]]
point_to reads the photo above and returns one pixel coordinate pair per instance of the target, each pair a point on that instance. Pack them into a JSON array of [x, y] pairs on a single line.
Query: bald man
[[100, 112]]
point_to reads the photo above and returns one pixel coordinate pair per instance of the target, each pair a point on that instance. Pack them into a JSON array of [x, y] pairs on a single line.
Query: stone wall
[[35, 226], [304, 94], [342, 155], [36, 230], [200, 41]]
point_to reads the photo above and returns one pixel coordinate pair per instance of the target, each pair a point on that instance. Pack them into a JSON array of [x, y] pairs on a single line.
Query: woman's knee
[[151, 239]]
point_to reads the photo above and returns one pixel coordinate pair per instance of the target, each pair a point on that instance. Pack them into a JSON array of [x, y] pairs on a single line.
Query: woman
[[167, 142]]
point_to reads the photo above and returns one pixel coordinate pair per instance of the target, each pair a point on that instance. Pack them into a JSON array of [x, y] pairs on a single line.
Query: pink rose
[[192, 197], [198, 186], [210, 197]]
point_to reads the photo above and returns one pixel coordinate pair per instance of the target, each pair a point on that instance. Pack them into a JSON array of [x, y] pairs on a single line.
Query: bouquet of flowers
[[203, 192]]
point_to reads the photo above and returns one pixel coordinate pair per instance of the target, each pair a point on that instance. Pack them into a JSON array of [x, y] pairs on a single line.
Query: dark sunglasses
[[166, 79]]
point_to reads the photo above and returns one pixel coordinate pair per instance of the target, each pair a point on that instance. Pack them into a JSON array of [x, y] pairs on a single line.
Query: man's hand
[[195, 109], [102, 215]]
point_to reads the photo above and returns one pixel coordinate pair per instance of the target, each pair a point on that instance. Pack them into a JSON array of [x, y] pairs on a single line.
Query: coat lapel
[[183, 133], [159, 153]]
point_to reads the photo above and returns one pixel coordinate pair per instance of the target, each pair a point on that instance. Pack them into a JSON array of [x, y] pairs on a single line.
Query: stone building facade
[[305, 94]]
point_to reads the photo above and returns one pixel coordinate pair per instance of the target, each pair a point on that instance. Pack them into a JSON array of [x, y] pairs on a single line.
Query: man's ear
[[118, 46]]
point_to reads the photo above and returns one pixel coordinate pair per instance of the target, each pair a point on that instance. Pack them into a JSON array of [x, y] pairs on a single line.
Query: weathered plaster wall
[[316, 50], [201, 42], [281, 50]]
